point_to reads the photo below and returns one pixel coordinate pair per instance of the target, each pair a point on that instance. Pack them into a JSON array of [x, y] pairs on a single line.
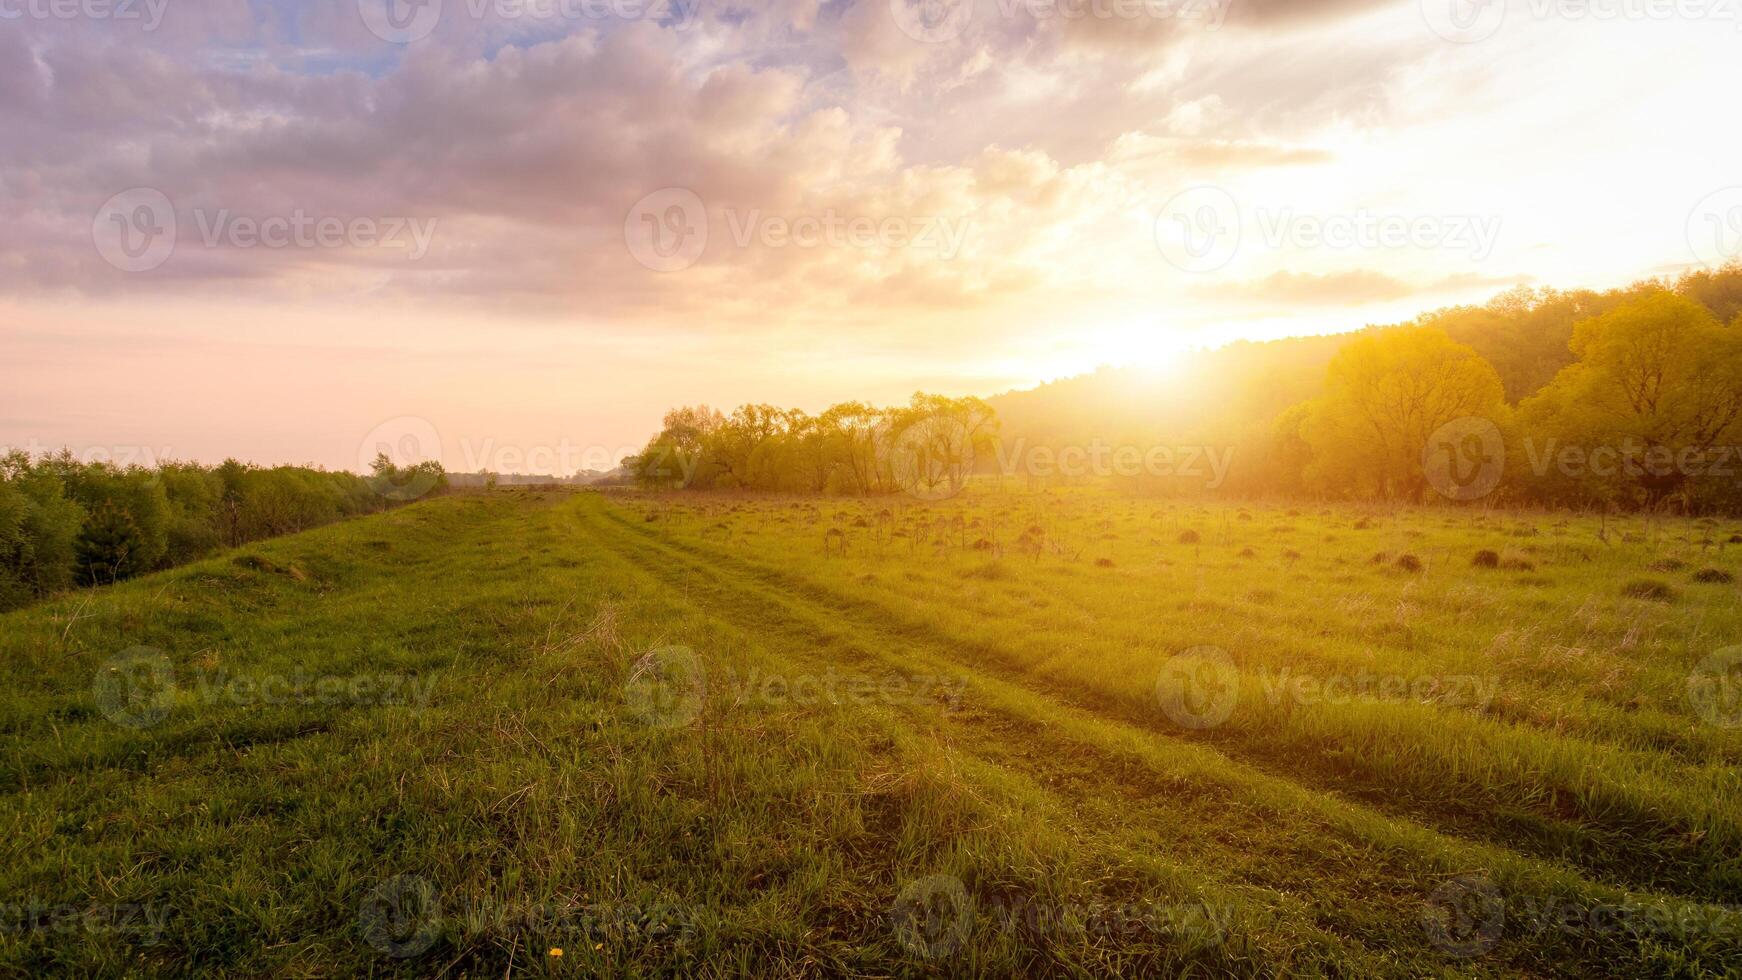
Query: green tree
[[734, 445], [935, 443], [1386, 393], [126, 529], [38, 527], [676, 457], [195, 521], [1653, 400]]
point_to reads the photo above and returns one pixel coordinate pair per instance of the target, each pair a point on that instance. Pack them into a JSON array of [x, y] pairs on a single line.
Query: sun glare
[[1146, 346]]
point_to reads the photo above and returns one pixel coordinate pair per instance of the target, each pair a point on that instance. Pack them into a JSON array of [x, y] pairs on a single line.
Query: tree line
[[1625, 398], [65, 523], [926, 446]]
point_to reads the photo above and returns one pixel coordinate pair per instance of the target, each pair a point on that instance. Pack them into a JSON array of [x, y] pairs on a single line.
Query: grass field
[[1015, 733]]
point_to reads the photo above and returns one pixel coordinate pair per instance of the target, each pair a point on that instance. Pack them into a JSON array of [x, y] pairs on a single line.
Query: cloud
[[1041, 145], [1141, 151], [1331, 289], [1357, 287], [526, 164]]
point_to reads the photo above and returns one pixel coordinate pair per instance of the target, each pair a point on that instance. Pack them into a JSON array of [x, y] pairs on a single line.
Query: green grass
[[671, 736]]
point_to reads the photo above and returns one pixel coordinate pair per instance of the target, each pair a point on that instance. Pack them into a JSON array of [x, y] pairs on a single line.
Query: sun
[[1145, 346]]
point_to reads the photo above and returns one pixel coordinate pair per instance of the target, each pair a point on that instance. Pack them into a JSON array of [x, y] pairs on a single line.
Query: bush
[[1486, 559], [195, 497], [113, 545], [1715, 576], [38, 529], [992, 571], [13, 589], [1650, 590], [65, 523], [126, 529]]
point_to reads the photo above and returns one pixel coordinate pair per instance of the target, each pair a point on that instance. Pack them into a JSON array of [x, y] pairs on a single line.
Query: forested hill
[[1236, 393], [1208, 389]]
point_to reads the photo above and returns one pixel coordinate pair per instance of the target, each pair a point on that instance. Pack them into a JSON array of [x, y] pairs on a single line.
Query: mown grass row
[[1622, 808], [1386, 858], [1562, 633]]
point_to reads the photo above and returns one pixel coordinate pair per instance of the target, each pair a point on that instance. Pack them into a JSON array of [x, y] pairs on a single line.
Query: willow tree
[[1651, 409], [1386, 394]]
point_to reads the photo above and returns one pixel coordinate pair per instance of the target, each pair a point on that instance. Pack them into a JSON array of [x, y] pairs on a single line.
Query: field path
[[1239, 825]]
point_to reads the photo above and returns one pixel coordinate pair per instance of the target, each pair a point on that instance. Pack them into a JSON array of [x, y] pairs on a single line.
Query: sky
[[520, 230]]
